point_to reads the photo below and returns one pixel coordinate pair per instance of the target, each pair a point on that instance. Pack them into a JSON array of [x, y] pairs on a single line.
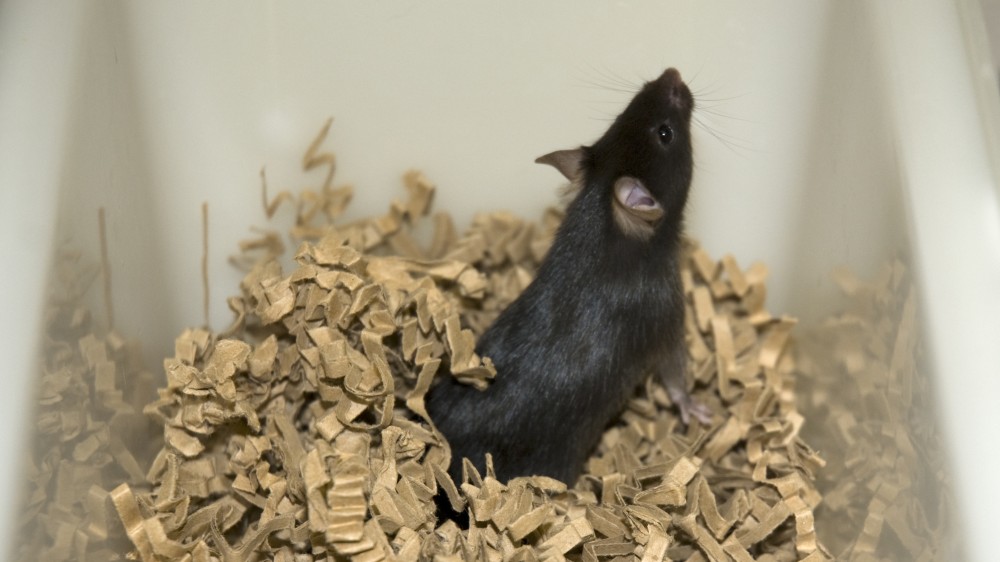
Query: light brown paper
[[301, 432]]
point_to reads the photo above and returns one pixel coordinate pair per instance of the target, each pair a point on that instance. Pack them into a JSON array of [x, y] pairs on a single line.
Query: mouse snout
[[677, 92], [671, 75]]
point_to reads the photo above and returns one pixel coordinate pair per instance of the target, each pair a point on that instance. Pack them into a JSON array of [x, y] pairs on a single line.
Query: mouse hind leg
[[672, 375]]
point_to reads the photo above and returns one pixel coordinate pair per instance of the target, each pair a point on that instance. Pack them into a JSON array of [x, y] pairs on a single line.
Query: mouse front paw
[[688, 406]]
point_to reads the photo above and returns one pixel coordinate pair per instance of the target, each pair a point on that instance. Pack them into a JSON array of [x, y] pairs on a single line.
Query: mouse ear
[[636, 199], [568, 162], [636, 211]]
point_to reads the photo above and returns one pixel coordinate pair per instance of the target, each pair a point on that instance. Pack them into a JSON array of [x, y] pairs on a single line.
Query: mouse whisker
[[694, 77], [710, 110], [700, 96], [732, 143], [603, 102], [619, 79], [605, 119], [606, 88], [612, 81]]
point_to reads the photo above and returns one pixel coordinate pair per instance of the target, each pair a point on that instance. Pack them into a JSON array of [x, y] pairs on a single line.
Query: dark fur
[[603, 311]]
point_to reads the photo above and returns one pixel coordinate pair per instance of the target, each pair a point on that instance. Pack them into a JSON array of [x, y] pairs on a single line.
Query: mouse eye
[[665, 134]]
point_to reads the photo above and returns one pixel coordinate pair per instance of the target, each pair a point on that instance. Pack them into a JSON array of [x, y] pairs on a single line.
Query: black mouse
[[605, 309]]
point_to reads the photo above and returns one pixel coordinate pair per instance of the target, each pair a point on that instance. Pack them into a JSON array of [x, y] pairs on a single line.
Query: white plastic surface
[[945, 159], [827, 108], [34, 138]]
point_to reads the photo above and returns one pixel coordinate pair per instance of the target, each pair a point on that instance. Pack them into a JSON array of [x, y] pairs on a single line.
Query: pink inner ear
[[639, 196], [632, 194]]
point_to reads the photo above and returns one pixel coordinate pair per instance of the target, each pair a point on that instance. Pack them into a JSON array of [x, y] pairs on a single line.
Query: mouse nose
[[677, 92], [671, 75], [670, 79]]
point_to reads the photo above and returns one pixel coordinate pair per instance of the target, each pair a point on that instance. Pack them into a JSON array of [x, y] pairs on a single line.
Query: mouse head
[[644, 160]]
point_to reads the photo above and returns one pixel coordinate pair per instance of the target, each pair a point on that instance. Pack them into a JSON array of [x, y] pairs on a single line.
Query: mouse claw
[[696, 409], [689, 407]]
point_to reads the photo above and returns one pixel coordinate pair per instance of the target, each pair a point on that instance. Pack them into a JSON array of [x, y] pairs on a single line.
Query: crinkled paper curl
[[301, 433]]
